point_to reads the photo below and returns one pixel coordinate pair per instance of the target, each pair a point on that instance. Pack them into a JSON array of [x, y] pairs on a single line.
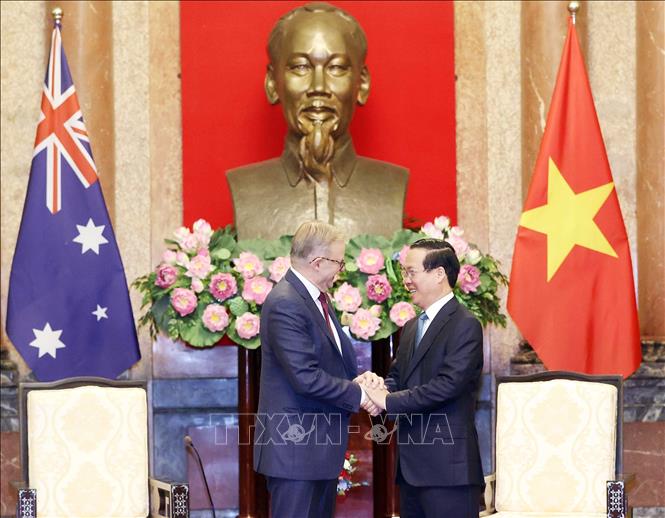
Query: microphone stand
[[190, 444]]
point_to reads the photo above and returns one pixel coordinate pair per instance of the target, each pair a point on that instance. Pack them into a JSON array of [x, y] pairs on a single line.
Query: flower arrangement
[[209, 284], [344, 481]]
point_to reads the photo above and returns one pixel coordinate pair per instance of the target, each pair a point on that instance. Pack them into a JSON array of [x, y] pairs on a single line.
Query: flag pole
[[573, 7], [57, 14]]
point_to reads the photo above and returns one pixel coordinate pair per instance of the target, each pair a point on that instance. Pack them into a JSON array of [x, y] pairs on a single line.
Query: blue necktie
[[419, 330]]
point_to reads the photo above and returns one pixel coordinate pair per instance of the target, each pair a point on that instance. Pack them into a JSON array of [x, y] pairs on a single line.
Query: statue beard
[[317, 147]]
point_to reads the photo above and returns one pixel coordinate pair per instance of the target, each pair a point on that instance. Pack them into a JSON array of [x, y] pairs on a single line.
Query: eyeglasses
[[408, 274], [338, 262]]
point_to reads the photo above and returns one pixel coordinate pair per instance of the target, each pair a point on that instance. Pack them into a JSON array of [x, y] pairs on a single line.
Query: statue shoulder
[[258, 170], [371, 166]]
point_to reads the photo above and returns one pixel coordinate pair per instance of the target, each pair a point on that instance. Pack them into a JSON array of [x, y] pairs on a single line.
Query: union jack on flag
[[68, 309], [61, 129]]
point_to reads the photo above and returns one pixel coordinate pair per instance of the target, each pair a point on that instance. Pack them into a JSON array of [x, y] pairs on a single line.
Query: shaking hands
[[375, 390]]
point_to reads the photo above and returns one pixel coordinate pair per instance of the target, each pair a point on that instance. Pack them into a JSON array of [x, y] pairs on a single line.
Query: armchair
[[84, 452], [559, 447]]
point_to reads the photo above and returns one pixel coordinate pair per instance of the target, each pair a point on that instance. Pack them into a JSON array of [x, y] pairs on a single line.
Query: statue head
[[317, 71]]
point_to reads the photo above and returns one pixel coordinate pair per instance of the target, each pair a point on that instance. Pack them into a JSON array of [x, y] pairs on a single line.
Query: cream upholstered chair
[[558, 447], [84, 452]]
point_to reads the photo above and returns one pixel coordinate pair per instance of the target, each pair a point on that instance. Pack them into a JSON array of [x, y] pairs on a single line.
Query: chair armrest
[[168, 499], [26, 503], [617, 504], [490, 483]]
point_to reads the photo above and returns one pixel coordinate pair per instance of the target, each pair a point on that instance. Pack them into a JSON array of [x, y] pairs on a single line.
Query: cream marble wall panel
[[22, 65], [165, 124], [471, 122], [504, 139], [611, 65], [651, 166], [132, 149]]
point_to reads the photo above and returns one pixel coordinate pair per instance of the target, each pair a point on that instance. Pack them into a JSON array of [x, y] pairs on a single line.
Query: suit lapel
[[406, 342], [317, 316], [433, 330]]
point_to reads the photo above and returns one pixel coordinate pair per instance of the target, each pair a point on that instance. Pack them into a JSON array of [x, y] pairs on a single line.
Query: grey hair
[[314, 237]]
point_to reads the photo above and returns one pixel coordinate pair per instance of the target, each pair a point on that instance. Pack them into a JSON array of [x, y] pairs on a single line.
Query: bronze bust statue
[[317, 71]]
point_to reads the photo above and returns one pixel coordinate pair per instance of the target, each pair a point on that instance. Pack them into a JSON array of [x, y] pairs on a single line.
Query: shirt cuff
[[363, 396]]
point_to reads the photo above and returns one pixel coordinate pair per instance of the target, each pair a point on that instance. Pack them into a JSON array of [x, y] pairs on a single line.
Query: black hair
[[440, 254]]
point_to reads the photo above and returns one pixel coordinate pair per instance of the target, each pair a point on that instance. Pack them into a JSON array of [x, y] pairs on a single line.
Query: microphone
[[190, 444]]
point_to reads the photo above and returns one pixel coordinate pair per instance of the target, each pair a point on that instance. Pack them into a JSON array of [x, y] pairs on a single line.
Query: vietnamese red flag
[[571, 286]]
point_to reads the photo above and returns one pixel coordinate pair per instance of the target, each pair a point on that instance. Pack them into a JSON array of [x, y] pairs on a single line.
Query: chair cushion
[[555, 446], [88, 451]]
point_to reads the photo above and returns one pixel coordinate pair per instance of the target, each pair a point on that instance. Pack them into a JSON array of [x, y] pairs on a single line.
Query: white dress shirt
[[434, 309]]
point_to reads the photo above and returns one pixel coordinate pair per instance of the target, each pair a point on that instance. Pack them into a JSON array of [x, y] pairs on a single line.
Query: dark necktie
[[324, 305], [419, 330]]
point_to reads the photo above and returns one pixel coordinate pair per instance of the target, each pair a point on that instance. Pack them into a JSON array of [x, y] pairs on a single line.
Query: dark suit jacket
[[436, 390], [306, 388]]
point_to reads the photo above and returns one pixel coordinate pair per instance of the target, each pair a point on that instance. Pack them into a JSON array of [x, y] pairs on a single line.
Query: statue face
[[318, 75]]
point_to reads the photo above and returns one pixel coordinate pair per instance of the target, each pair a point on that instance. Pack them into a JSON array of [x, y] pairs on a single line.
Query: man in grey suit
[[433, 384], [309, 381]]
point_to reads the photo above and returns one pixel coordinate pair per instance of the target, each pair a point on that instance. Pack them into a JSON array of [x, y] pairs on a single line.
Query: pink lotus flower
[[469, 278], [279, 267], [364, 325], [186, 240], [215, 318], [223, 286], [248, 265], [347, 298], [247, 325], [182, 259], [402, 254], [202, 232], [197, 285], [200, 266], [378, 288], [183, 301], [256, 289], [401, 313], [166, 275], [459, 244], [376, 310], [370, 260], [456, 231], [169, 257], [431, 231]]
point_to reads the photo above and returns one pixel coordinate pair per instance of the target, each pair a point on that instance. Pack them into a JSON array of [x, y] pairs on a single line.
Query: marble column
[[651, 168], [544, 26]]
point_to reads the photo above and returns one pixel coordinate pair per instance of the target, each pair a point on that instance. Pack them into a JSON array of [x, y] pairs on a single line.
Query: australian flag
[[68, 311]]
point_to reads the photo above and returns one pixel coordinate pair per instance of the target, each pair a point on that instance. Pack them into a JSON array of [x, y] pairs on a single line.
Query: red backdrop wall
[[409, 118]]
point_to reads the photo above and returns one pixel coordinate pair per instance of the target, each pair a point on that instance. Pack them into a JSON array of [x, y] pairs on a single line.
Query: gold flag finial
[[57, 15], [573, 7]]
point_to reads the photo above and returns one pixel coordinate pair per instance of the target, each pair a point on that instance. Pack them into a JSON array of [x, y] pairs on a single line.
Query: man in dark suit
[[309, 381], [432, 388]]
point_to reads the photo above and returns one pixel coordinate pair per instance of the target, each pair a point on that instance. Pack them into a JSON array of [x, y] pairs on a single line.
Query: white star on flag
[[90, 237], [47, 340], [100, 312]]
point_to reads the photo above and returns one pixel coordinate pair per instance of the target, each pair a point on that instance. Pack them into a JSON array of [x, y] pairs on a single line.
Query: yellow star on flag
[[567, 219]]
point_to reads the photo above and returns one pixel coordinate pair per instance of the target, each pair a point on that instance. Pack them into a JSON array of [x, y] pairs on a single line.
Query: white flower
[[456, 231], [473, 256], [442, 222]]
